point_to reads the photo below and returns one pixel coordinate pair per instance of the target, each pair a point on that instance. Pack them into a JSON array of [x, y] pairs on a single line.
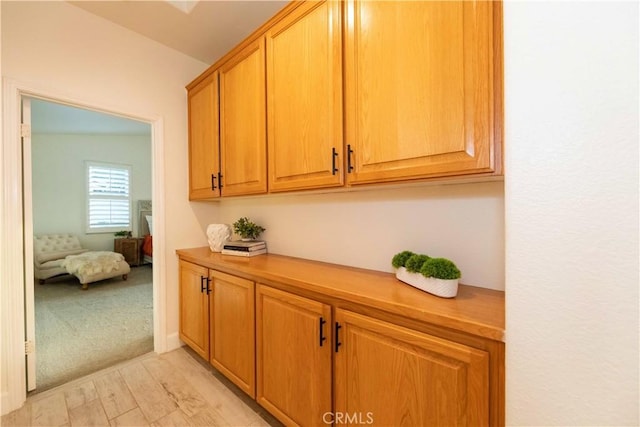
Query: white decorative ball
[[217, 234]]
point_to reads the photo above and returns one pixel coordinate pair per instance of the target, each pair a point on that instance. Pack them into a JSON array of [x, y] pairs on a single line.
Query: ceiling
[[208, 31], [204, 30]]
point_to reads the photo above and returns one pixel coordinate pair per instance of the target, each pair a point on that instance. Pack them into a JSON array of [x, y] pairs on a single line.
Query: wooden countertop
[[476, 311]]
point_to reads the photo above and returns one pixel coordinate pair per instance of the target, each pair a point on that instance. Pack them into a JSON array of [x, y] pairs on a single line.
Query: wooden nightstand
[[131, 248]]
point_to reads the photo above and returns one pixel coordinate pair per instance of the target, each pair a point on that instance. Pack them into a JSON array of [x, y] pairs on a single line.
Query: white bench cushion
[[91, 263]]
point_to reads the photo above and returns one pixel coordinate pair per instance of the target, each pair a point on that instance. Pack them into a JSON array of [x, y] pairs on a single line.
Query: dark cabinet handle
[[208, 289], [202, 283], [349, 153], [220, 180], [334, 156], [338, 343], [322, 337], [213, 182]]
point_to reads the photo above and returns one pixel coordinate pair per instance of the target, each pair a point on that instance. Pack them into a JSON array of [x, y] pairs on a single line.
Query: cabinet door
[[194, 307], [294, 369], [242, 122], [204, 163], [431, 381], [233, 329], [419, 89], [304, 96]]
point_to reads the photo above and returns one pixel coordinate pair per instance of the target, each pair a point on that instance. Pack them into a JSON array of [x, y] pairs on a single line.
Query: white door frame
[[27, 217], [14, 254]]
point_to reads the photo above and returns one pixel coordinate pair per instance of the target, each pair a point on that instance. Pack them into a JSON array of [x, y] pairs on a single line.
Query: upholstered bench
[[58, 254], [93, 266]]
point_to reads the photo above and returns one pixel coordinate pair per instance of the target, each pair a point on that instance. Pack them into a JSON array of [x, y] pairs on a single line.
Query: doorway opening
[[77, 332]]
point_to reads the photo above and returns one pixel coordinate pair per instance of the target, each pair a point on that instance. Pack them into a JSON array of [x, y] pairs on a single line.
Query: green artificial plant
[[440, 268], [247, 229], [414, 263], [400, 259]]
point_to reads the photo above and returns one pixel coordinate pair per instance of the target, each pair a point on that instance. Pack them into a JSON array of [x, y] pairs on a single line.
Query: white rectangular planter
[[439, 287]]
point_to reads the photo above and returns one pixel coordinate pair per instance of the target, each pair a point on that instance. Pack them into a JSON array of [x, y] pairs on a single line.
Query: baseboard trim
[[173, 341]]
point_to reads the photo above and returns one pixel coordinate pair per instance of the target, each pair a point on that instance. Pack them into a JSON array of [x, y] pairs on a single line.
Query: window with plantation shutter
[[108, 197]]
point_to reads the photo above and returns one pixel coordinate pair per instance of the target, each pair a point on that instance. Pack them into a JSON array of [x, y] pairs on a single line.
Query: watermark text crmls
[[364, 418]]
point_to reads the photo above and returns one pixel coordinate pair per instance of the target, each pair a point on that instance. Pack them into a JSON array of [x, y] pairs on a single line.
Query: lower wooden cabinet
[[311, 359], [294, 356], [431, 381], [217, 321], [194, 307], [233, 329]]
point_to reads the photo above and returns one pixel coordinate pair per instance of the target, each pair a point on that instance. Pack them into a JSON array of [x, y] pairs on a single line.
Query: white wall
[[571, 196], [65, 50], [59, 180], [462, 222]]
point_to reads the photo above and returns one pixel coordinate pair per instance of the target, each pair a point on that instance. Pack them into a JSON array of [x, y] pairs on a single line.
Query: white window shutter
[[108, 197]]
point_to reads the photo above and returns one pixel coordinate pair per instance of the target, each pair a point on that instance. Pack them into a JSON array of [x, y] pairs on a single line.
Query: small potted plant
[[122, 233], [438, 276], [246, 229]]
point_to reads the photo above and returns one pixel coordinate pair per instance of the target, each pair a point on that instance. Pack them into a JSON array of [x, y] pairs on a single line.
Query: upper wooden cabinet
[[243, 148], [304, 98], [204, 160], [352, 92], [419, 97]]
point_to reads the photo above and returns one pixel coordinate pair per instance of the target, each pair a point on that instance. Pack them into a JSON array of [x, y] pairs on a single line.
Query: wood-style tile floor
[[171, 389]]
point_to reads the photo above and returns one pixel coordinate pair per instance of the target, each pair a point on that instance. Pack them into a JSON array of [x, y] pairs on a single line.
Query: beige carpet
[[79, 332]]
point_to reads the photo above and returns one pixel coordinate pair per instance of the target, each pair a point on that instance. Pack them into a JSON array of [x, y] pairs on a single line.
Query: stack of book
[[241, 248]]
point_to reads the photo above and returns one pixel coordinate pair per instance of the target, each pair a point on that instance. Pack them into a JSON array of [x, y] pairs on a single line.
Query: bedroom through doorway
[[90, 184]]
